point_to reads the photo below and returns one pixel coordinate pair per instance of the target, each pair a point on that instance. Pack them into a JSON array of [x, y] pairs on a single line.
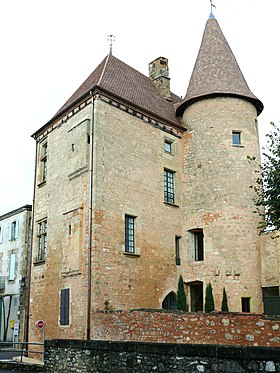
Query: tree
[[209, 299], [181, 296], [267, 187], [224, 302]]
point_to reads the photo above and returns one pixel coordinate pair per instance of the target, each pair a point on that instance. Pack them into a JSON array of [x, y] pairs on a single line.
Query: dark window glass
[[64, 306], [129, 234], [236, 138], [245, 302], [198, 245], [168, 146], [170, 302], [177, 250], [42, 240], [169, 195]]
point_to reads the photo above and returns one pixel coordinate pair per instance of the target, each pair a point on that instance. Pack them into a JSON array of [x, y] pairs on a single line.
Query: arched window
[[170, 302]]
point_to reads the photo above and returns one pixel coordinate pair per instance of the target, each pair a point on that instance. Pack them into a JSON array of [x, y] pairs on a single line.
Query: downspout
[[90, 217], [29, 257]]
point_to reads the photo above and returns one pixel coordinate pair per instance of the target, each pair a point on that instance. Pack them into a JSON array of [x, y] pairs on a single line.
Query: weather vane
[[111, 39], [212, 6]]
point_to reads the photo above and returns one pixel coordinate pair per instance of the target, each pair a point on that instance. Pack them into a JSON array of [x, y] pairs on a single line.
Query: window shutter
[[16, 230], [12, 267], [10, 231], [64, 306]]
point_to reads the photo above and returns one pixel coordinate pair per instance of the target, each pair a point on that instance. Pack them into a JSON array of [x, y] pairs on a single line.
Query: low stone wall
[[67, 356], [236, 329]]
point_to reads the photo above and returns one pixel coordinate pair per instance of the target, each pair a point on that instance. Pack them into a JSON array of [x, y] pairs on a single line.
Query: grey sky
[[48, 48]]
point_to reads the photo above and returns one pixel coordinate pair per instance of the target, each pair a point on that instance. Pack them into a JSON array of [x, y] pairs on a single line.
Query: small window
[[64, 306], [42, 240], [13, 231], [169, 195], [236, 137], [1, 234], [177, 250], [245, 303], [43, 162], [198, 244], [12, 267], [129, 234], [168, 146]]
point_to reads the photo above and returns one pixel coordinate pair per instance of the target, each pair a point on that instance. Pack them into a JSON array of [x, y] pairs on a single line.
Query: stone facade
[[130, 195], [15, 238]]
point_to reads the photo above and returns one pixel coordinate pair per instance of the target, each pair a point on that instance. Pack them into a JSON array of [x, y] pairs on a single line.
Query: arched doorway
[[170, 302]]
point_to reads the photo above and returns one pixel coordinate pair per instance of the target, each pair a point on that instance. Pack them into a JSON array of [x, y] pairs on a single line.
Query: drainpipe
[[90, 217], [29, 255]]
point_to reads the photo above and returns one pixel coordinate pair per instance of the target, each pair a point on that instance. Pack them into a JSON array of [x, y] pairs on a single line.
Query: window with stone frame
[[64, 307], [42, 240], [169, 194], [13, 230], [43, 157], [236, 137], [130, 234], [197, 244]]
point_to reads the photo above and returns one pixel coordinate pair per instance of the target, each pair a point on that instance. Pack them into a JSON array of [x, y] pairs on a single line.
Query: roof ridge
[[104, 68]]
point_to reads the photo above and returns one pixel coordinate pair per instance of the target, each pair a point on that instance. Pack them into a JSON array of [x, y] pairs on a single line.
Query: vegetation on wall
[[209, 299], [267, 186], [181, 296]]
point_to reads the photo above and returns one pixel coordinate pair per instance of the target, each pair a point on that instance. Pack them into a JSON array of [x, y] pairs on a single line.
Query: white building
[[15, 228]]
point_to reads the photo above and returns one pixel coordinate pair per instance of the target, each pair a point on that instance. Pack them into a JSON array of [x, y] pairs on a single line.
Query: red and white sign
[[40, 324]]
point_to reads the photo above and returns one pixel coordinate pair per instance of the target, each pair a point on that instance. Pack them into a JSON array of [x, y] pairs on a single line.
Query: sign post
[[40, 324]]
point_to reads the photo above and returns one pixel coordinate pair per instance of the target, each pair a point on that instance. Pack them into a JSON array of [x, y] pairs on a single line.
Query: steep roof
[[122, 81], [216, 71]]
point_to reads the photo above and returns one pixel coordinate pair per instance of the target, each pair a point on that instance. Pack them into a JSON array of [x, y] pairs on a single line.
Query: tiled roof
[[122, 81], [216, 71]]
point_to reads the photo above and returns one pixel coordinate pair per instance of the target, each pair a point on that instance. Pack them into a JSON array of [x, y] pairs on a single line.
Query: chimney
[[159, 74]]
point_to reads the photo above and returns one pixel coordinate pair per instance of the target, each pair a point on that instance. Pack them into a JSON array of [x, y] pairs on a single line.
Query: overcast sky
[[49, 47]]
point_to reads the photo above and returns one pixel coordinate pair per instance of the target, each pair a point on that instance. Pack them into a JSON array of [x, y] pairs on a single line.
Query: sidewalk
[[28, 360]]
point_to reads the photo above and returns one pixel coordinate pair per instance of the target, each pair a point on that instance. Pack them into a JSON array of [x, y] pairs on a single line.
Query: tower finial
[[212, 6], [111, 39]]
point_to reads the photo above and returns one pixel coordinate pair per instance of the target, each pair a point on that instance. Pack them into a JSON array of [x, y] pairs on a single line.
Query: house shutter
[[64, 306], [12, 267], [10, 231]]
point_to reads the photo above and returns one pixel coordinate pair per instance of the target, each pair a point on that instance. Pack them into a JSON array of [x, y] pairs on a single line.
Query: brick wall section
[[172, 327]]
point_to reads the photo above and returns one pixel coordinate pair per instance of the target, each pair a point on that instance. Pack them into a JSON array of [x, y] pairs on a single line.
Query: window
[[236, 137], [129, 234], [169, 195], [177, 250], [170, 302], [198, 244], [12, 267], [245, 302], [42, 240], [64, 306], [168, 146], [1, 234], [43, 162], [13, 231]]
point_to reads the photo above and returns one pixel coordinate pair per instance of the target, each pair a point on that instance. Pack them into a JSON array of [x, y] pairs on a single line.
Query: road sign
[[40, 324]]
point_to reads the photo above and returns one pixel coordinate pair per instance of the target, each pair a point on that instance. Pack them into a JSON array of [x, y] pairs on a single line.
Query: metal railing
[[21, 348]]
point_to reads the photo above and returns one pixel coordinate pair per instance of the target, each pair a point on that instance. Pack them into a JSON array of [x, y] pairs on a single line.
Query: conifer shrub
[[181, 296], [224, 302], [209, 299]]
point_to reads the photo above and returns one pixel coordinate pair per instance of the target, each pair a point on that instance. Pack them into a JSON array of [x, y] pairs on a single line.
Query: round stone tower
[[220, 114]]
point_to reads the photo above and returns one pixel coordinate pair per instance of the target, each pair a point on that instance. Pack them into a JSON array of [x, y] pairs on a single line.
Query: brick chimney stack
[[159, 73]]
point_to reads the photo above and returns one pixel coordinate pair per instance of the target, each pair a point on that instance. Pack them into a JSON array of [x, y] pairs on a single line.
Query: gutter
[[89, 247]]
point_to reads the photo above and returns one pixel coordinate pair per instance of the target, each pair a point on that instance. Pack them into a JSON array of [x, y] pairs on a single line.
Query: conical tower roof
[[216, 71]]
